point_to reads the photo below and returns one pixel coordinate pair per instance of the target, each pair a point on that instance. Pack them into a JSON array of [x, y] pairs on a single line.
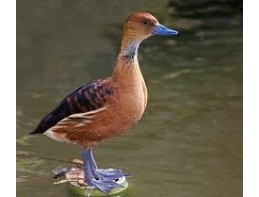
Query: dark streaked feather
[[88, 97]]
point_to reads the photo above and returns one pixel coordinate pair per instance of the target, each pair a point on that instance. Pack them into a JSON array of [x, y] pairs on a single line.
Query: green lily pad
[[93, 192]]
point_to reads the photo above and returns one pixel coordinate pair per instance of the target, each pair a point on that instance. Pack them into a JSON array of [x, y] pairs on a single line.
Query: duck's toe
[[105, 186], [110, 174]]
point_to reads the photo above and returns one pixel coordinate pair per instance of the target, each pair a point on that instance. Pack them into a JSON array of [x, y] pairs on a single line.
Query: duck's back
[[89, 97]]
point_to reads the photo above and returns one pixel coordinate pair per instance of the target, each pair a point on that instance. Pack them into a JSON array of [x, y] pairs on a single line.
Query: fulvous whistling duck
[[106, 107]]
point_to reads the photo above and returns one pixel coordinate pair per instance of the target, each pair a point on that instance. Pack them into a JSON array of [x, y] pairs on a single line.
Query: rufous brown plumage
[[107, 107]]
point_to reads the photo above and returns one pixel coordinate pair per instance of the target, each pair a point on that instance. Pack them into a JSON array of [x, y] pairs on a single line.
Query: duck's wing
[[87, 98]]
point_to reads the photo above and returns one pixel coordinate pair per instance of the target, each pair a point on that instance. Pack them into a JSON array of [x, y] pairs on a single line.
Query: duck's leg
[[108, 174], [105, 185]]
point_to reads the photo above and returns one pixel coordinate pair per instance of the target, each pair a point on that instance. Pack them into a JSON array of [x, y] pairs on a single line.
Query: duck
[[108, 107]]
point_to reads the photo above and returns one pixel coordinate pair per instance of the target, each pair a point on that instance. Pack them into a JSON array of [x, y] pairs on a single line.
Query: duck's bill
[[161, 30]]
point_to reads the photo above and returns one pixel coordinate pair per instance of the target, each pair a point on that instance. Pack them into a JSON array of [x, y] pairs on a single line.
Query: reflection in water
[[189, 142]]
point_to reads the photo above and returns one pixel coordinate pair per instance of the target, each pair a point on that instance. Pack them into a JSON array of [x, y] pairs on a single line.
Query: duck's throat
[[127, 67], [129, 52]]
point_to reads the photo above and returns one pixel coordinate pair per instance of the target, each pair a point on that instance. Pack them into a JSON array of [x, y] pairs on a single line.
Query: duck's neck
[[127, 62], [129, 52]]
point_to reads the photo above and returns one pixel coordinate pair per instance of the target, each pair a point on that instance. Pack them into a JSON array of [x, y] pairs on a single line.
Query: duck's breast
[[129, 105]]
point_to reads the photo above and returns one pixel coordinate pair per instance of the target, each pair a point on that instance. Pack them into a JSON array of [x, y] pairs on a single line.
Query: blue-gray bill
[[161, 30]]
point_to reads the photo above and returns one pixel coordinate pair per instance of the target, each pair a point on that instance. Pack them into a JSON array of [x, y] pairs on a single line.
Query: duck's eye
[[145, 22]]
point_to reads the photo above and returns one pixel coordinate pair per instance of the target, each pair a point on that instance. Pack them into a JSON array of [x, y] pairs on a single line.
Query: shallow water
[[189, 141]]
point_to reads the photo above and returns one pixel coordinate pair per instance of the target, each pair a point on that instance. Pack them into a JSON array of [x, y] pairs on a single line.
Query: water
[[189, 141]]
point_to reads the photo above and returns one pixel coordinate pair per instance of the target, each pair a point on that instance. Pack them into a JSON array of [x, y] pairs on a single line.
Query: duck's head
[[141, 25]]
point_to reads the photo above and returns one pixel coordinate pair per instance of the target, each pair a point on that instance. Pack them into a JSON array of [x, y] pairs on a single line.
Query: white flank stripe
[[87, 115], [83, 123], [52, 135]]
